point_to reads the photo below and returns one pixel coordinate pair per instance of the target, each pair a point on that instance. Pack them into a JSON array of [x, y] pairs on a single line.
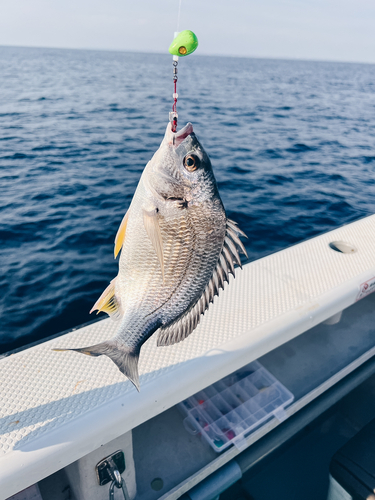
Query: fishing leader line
[[184, 43], [178, 16]]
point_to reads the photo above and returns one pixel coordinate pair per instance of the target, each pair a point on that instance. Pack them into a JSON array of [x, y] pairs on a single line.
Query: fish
[[178, 248]]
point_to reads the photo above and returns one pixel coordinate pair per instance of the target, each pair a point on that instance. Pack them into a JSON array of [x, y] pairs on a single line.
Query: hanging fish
[[178, 249]]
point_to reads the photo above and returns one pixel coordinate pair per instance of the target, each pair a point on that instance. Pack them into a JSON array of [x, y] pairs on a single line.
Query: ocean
[[292, 144]]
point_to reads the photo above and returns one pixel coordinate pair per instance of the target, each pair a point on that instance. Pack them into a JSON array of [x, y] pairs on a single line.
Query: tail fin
[[124, 357]]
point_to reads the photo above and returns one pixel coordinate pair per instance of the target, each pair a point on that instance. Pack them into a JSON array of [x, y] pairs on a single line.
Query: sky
[[333, 30]]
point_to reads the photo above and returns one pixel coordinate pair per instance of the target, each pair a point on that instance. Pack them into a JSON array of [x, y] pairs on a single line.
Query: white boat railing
[[59, 407]]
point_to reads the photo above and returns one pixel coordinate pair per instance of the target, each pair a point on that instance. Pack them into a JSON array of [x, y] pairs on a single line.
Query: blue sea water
[[292, 144]]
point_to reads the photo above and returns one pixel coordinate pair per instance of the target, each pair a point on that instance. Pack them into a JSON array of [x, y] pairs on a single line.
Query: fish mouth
[[175, 138]]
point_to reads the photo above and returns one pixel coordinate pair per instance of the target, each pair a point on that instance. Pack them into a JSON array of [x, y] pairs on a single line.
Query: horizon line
[[236, 56]]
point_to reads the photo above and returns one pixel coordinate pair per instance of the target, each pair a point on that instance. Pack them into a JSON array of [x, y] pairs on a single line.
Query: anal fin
[[108, 302]]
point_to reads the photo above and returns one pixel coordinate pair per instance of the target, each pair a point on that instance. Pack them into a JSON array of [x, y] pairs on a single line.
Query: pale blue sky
[[337, 30]]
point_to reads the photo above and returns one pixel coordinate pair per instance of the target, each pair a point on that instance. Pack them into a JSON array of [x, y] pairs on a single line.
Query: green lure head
[[184, 44]]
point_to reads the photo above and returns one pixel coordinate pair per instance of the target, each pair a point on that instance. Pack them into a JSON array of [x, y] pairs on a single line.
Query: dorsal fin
[[185, 324], [108, 302], [120, 236]]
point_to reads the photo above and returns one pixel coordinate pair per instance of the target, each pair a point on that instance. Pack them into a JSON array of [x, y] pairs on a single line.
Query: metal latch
[[109, 469]]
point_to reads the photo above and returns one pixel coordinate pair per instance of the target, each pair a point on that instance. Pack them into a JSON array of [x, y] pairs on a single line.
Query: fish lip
[[176, 138]]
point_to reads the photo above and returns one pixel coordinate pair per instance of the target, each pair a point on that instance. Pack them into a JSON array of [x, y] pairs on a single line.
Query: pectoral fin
[[120, 236], [151, 223]]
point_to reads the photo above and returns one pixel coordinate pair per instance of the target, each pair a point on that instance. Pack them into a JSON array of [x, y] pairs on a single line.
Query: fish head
[[181, 169]]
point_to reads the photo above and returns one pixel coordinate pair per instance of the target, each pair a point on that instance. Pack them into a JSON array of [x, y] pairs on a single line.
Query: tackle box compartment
[[227, 411]]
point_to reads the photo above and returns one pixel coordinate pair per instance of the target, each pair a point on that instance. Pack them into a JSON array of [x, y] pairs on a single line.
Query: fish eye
[[191, 162]]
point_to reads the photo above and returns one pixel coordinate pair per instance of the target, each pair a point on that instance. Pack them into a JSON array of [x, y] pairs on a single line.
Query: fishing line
[[173, 115], [178, 16], [184, 43]]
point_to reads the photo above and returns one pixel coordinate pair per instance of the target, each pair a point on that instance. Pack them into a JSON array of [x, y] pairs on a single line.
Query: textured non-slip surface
[[42, 390]]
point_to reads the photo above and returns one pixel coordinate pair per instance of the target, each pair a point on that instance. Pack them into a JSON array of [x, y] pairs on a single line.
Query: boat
[[73, 427]]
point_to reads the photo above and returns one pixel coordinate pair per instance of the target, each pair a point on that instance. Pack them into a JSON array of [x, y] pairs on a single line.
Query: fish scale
[[177, 250], [197, 270]]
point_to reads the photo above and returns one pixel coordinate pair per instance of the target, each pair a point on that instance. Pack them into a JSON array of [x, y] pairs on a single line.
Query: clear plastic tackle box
[[227, 411]]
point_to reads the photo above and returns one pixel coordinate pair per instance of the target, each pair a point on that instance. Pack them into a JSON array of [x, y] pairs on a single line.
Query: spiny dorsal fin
[[231, 244], [108, 302], [233, 225], [151, 223], [185, 324], [120, 236]]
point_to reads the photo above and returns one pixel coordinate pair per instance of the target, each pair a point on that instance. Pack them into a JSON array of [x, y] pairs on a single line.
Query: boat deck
[[309, 365], [58, 407]]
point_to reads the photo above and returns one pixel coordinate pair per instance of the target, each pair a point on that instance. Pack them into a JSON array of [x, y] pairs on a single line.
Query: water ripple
[[292, 146]]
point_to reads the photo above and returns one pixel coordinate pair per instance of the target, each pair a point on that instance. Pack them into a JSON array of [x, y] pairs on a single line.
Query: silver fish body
[[178, 248]]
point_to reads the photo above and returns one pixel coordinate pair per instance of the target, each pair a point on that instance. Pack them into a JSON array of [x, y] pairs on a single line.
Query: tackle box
[[227, 411]]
